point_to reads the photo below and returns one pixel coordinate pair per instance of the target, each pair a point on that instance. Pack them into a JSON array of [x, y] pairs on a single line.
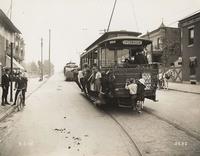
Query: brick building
[[190, 47], [165, 46]]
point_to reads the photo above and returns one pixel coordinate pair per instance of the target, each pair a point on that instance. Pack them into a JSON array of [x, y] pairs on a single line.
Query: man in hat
[[20, 85], [5, 86]]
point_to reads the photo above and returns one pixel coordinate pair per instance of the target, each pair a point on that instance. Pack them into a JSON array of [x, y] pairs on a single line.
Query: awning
[[16, 65]]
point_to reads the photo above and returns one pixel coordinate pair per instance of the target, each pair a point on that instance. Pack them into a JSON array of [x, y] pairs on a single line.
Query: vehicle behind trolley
[[69, 69]]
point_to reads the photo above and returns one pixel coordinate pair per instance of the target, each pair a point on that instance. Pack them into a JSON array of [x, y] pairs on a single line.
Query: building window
[[158, 43], [191, 36]]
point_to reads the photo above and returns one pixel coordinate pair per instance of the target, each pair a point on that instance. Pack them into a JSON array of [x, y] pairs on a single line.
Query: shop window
[[191, 36]]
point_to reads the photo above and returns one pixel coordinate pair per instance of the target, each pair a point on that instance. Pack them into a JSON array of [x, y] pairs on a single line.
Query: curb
[[12, 108], [188, 131], [8, 112], [184, 91]]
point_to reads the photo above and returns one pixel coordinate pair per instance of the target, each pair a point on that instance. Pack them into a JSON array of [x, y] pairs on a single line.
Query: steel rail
[[127, 134]]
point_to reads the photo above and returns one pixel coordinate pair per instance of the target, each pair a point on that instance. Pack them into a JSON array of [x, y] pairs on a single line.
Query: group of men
[[89, 80], [20, 80]]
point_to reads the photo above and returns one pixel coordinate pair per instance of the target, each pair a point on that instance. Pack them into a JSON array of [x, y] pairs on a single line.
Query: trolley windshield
[[123, 52]]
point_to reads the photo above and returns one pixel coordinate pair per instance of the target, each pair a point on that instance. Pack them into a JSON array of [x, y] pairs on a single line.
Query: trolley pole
[[49, 52], [11, 72], [41, 65], [111, 15]]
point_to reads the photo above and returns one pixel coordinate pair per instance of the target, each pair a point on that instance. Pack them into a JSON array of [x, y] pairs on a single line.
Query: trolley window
[[107, 58], [122, 55]]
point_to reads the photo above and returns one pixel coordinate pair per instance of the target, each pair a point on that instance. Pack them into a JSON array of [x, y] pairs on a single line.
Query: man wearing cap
[[5, 86], [20, 85]]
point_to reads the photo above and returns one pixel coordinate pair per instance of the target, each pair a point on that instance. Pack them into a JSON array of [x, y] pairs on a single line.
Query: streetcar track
[[127, 134], [188, 132], [121, 127], [175, 125]]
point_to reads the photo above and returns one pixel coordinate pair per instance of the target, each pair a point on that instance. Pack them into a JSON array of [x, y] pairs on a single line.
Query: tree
[[46, 67], [31, 68], [170, 49], [34, 68]]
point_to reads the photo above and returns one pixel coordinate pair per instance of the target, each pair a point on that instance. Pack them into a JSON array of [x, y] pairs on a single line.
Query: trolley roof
[[110, 34], [129, 40], [143, 42]]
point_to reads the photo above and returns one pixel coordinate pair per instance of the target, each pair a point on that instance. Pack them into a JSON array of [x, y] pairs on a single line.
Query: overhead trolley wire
[[134, 14]]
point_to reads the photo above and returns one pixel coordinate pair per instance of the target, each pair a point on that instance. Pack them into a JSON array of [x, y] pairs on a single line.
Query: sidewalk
[[183, 87], [33, 84]]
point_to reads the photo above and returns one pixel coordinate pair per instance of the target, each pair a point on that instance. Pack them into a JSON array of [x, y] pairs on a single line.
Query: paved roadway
[[59, 121], [178, 107]]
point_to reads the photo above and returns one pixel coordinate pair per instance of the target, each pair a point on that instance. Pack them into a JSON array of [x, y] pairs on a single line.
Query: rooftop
[[7, 23], [193, 15], [162, 26]]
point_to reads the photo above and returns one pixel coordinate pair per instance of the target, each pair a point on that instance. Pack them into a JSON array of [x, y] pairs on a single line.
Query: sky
[[75, 24]]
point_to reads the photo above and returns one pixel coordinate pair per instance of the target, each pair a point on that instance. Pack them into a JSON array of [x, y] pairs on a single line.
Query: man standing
[[25, 83], [20, 85], [5, 86], [81, 80]]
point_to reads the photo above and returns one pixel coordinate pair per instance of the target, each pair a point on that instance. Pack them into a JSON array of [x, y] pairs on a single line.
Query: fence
[[176, 73]]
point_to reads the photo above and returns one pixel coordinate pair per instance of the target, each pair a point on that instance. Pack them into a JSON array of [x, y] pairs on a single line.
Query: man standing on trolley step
[[5, 86]]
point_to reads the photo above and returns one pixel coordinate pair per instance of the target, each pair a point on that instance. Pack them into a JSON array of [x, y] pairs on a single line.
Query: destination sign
[[132, 42], [112, 42]]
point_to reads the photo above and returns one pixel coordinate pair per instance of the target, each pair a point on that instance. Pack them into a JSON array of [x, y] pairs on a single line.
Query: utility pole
[[49, 52], [41, 65], [11, 72]]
